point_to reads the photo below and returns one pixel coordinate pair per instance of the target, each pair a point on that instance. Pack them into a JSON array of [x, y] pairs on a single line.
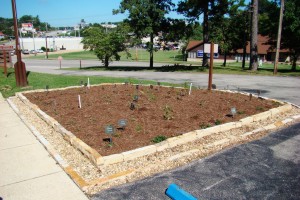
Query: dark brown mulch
[[159, 111]]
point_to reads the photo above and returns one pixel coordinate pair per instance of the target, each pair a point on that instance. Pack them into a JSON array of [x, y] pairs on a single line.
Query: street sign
[[207, 48]]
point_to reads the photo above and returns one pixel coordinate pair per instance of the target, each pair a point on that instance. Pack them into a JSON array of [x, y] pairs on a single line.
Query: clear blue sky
[[67, 12]]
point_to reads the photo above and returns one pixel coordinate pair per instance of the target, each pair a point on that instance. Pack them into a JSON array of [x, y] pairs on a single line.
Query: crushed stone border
[[133, 154]]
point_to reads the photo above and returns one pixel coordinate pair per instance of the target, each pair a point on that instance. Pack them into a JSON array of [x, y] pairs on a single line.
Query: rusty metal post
[[211, 66], [20, 69], [4, 63]]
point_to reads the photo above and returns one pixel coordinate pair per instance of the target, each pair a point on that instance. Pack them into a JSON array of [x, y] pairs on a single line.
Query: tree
[[229, 30], [194, 8], [290, 36], [105, 45], [254, 31], [146, 18]]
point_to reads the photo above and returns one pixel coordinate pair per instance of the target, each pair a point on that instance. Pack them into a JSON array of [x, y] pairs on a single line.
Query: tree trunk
[[106, 59], [225, 59], [151, 50], [254, 31], [205, 34], [294, 62]]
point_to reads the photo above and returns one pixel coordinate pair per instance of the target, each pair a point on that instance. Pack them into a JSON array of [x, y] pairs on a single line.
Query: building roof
[[193, 44], [262, 46], [1, 34]]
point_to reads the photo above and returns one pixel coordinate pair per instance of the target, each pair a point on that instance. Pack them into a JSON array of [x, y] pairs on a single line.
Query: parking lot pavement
[[265, 169]]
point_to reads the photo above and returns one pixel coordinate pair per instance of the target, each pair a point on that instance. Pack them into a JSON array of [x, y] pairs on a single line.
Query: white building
[[55, 43]]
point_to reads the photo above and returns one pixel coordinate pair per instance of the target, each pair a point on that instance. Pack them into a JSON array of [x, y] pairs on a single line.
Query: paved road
[[282, 88], [264, 169]]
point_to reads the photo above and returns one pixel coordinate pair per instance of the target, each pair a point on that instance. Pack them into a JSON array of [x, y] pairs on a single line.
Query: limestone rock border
[[99, 160]]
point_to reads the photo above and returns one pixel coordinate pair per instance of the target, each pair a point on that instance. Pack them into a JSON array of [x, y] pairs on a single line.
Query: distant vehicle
[[32, 52], [39, 51], [25, 51], [156, 46]]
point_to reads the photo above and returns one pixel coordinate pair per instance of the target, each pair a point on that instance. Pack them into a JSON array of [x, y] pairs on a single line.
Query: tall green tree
[[146, 18], [290, 37], [105, 45], [209, 8], [230, 30]]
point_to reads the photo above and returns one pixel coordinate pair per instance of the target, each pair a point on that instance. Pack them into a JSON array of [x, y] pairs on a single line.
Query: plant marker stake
[[88, 85], [190, 88], [79, 101]]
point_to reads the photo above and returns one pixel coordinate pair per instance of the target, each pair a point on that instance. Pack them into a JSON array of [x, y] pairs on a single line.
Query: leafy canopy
[[105, 45]]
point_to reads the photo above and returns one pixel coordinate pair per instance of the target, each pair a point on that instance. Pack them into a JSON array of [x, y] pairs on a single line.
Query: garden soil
[[151, 113]]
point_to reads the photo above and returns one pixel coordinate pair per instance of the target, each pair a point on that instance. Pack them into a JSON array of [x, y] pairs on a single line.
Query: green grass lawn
[[139, 55], [175, 59], [39, 81]]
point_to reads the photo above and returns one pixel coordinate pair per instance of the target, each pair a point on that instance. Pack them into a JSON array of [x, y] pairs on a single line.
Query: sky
[[67, 12]]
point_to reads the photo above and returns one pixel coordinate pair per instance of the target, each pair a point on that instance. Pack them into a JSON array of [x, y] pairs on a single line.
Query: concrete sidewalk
[[27, 171]]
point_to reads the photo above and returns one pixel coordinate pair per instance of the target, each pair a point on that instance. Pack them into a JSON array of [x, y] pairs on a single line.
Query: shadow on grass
[[165, 68]]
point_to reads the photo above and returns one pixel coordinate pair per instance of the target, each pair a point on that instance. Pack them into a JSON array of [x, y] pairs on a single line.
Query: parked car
[[25, 51], [39, 51], [33, 52]]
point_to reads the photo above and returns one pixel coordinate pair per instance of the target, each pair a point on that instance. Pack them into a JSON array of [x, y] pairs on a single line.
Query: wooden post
[[211, 65], [20, 69], [4, 63]]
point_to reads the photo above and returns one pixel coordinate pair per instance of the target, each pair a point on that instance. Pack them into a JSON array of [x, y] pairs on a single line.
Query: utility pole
[[278, 36], [20, 69]]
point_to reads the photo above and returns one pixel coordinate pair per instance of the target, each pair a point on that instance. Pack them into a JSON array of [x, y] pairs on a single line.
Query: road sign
[[207, 48]]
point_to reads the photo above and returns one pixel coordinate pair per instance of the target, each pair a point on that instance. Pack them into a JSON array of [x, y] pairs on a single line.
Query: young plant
[[204, 126], [158, 139], [138, 128], [168, 113], [218, 122]]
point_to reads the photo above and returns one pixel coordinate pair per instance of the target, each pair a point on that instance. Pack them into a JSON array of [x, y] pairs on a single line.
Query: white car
[[39, 51]]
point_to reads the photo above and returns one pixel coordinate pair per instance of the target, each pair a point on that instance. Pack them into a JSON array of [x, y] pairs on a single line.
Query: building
[[2, 35], [265, 51]]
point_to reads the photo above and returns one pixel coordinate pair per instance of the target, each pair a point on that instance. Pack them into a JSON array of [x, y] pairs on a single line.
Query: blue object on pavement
[[176, 193]]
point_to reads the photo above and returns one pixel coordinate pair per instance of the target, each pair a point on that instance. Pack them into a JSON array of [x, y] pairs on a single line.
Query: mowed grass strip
[[39, 81]]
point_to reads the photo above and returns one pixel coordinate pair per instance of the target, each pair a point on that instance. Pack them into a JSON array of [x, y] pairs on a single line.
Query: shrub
[[159, 138]]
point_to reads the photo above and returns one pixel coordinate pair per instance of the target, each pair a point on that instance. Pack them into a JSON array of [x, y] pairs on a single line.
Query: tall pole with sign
[[20, 69]]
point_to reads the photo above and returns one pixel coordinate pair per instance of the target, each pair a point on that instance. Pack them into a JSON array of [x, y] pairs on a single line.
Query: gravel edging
[[91, 179]]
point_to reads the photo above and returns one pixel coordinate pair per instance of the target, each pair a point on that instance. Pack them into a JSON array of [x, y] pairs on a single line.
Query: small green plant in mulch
[[218, 122], [168, 113], [258, 108], [276, 103], [110, 144], [151, 96], [240, 112], [204, 126], [138, 128], [158, 139]]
